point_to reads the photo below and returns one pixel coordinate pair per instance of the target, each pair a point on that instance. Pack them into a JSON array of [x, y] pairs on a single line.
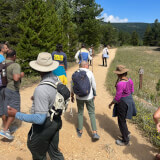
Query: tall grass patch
[[133, 58]]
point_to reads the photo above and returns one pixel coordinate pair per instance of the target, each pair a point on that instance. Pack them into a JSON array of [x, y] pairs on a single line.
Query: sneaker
[[95, 136], [121, 143], [79, 133], [12, 129], [6, 134], [121, 137]]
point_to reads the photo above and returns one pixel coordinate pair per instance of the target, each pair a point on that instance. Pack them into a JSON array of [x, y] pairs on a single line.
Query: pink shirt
[[124, 89]]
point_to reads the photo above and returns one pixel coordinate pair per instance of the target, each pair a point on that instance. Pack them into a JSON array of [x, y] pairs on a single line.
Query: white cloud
[[111, 18]]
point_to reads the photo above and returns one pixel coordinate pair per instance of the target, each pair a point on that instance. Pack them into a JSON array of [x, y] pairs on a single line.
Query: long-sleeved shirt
[[43, 99], [82, 54], [124, 89], [92, 82], [60, 57]]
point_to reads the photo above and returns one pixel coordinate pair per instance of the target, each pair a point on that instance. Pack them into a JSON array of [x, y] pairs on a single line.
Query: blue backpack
[[81, 83]]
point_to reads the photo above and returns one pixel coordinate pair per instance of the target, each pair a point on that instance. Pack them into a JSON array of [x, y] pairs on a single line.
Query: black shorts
[[12, 99]]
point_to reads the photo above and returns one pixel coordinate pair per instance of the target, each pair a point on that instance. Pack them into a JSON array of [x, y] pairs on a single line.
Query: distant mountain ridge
[[140, 28]]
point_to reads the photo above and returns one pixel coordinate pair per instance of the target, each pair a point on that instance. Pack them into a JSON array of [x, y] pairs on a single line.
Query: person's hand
[[32, 98], [158, 127], [72, 99], [22, 74], [11, 111], [110, 105], [94, 98]]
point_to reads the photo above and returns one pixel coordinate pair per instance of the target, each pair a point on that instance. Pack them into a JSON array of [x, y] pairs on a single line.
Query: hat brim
[[37, 67], [121, 72]]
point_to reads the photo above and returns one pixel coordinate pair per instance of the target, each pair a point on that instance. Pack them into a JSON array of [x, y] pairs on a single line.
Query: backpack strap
[[50, 83]]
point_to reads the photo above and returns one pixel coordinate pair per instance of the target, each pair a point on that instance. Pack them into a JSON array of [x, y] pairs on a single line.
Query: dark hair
[[59, 47], [10, 53], [124, 74], [83, 45], [105, 45], [2, 46]]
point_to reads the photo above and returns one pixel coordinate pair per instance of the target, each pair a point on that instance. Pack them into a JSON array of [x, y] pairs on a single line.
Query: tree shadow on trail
[[73, 120], [108, 125], [140, 151]]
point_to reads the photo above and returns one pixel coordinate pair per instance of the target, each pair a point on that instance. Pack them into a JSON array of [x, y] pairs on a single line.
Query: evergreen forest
[[33, 26]]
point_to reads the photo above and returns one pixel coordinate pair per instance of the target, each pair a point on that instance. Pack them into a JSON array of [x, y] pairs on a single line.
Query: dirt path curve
[[83, 148]]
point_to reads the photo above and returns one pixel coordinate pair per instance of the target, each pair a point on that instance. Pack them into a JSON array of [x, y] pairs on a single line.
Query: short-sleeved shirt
[[1, 58], [12, 69], [44, 95]]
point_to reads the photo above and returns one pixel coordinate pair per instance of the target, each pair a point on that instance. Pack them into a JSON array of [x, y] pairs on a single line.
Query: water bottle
[[3, 73]]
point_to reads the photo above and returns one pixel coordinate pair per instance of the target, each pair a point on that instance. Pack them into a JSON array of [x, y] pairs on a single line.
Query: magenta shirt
[[124, 89]]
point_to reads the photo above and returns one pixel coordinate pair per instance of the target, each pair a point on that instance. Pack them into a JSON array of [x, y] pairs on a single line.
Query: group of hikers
[[46, 111]]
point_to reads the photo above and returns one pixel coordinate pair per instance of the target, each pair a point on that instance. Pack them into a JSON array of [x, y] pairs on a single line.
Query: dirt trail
[[83, 148]]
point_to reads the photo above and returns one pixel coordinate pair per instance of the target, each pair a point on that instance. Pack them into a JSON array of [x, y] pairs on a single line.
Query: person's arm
[[31, 118], [17, 74], [118, 95], [93, 83], [72, 93], [77, 55], [156, 118], [65, 62]]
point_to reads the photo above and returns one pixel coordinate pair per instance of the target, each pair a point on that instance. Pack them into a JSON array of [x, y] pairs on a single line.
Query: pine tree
[[134, 38], [147, 36], [85, 17], [41, 31]]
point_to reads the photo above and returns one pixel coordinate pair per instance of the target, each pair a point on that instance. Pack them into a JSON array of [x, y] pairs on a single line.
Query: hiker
[[124, 106], [61, 57], [43, 136], [88, 100], [105, 55], [82, 55], [11, 92], [156, 118], [3, 50], [91, 53]]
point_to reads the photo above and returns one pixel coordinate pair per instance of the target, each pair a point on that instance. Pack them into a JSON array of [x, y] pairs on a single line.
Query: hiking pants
[[121, 113], [45, 138], [91, 112], [104, 61], [1, 100]]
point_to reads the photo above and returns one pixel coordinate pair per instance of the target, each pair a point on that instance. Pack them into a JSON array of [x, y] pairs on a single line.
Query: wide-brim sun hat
[[120, 69], [44, 63]]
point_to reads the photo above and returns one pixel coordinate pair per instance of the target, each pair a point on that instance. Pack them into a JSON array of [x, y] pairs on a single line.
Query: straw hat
[[44, 63], [120, 69]]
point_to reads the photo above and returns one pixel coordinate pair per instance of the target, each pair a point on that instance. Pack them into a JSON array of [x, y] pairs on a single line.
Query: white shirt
[[92, 82], [79, 51], [105, 51]]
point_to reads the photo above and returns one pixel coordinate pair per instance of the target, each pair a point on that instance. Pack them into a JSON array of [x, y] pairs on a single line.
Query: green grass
[[133, 58], [149, 59]]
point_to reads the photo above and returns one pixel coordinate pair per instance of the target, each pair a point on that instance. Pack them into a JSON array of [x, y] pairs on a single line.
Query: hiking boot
[[6, 134], [121, 137], [95, 136], [79, 133], [121, 143]]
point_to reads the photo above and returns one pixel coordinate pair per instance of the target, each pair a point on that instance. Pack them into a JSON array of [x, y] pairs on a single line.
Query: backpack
[[81, 83], [3, 73], [83, 56], [61, 100]]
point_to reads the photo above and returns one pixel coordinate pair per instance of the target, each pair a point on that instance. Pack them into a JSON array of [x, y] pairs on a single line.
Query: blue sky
[[130, 10]]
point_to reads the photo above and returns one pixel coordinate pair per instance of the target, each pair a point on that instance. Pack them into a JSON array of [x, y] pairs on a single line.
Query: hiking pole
[[92, 64]]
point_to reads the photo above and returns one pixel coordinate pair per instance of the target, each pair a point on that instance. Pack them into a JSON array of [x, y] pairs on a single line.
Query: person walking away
[[82, 55], [43, 136], [88, 100], [156, 117], [91, 53], [3, 50], [124, 106], [11, 93], [105, 55], [61, 57]]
